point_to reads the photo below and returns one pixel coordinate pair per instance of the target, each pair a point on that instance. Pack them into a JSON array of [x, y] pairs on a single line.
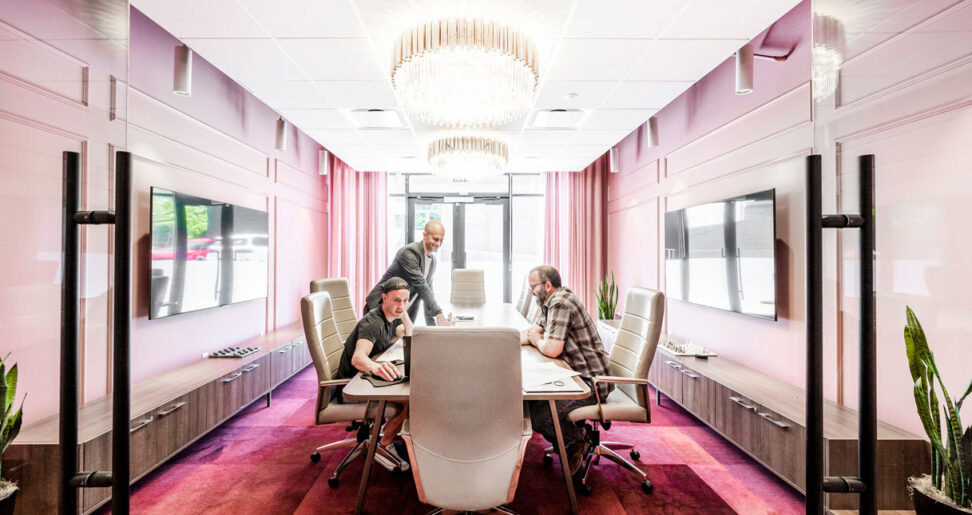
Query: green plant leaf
[[10, 381], [968, 390]]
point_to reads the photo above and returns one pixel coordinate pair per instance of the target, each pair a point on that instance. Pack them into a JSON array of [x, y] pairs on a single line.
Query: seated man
[[378, 330], [565, 331]]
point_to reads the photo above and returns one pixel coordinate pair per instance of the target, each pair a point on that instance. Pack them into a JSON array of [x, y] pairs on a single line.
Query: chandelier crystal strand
[[465, 73], [468, 157]]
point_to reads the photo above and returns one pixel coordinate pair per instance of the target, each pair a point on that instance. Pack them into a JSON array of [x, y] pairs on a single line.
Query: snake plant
[[606, 295], [9, 421], [951, 457]]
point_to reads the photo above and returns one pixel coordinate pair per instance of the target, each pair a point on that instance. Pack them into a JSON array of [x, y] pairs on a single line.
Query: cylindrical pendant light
[[651, 133], [324, 162], [613, 160], [744, 70], [182, 71], [281, 134]]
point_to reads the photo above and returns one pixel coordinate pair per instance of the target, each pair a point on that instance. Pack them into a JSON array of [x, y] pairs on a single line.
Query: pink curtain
[[576, 228], [356, 239]]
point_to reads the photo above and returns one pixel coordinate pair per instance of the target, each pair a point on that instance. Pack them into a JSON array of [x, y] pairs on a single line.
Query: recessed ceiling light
[[570, 95]]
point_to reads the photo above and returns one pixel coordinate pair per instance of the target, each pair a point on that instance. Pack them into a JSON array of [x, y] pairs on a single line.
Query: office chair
[[465, 441], [523, 303], [325, 349], [468, 287], [341, 305], [629, 362]]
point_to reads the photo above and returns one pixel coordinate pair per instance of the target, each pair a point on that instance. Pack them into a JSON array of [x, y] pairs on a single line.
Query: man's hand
[[407, 324], [385, 370], [442, 321], [534, 334]]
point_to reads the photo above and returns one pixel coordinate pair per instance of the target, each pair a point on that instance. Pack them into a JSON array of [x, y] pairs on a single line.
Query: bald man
[[416, 264]]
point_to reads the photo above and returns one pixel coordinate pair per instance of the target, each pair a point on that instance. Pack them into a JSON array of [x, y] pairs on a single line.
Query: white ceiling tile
[[336, 136], [596, 59], [347, 151], [400, 151], [306, 19], [245, 59], [195, 19], [683, 59], [389, 136], [334, 59], [575, 151], [368, 164], [605, 138], [739, 19], [538, 150], [563, 164], [584, 94], [521, 165], [373, 94], [308, 119], [546, 137], [288, 94], [623, 18], [618, 118], [644, 95]]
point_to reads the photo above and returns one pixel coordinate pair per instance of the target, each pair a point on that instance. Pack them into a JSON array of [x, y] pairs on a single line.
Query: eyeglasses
[[534, 286]]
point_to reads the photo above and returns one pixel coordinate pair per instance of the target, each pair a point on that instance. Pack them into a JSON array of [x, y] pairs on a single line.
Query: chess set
[[690, 348], [232, 352]]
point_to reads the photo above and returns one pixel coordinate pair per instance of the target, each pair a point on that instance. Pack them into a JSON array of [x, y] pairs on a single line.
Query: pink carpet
[[258, 462]]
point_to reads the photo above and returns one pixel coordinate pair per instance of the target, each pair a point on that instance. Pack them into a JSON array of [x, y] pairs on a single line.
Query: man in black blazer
[[415, 263]]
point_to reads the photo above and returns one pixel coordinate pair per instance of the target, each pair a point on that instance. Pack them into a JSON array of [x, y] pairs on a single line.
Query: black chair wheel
[[333, 482], [647, 486], [635, 455], [547, 460], [585, 489], [316, 457]]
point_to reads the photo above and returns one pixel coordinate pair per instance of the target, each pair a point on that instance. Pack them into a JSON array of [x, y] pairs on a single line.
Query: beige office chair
[[325, 350], [344, 314], [523, 303], [467, 428], [629, 362], [468, 287]]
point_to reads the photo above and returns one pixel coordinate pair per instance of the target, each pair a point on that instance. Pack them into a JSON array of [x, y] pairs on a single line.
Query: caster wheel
[[316, 457], [585, 489], [647, 486], [333, 482], [547, 460], [635, 455]]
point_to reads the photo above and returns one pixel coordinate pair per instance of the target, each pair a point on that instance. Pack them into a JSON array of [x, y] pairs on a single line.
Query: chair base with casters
[[608, 450], [498, 509]]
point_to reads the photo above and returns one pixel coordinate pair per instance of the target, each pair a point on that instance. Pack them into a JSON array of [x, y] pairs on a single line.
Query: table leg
[[370, 456], [564, 467]]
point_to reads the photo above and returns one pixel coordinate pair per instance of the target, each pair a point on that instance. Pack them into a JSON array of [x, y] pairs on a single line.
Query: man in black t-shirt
[[378, 330]]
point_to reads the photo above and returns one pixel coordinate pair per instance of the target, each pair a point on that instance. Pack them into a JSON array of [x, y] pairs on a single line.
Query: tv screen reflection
[[205, 253]]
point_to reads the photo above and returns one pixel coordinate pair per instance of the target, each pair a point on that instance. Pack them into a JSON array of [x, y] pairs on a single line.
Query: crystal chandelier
[[464, 73], [468, 157], [828, 55]]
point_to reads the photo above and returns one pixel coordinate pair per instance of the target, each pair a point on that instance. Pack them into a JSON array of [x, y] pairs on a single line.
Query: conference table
[[489, 315]]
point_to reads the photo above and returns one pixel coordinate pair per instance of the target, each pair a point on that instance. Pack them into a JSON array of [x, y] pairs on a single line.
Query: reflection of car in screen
[[245, 247], [196, 248]]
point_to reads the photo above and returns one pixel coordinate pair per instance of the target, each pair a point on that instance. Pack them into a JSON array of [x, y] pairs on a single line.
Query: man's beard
[[542, 297]]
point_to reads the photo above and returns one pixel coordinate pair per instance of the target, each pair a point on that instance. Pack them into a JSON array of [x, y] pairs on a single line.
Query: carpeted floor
[[258, 462]]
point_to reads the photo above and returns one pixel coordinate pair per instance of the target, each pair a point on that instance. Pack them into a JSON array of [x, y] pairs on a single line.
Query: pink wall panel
[[634, 256], [301, 236]]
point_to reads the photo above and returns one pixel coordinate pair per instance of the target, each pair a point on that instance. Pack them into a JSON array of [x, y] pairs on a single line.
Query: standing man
[[378, 330], [565, 331], [415, 263]]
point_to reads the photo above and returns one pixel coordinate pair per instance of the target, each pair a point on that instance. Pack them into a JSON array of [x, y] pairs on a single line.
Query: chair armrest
[[619, 380], [334, 382]]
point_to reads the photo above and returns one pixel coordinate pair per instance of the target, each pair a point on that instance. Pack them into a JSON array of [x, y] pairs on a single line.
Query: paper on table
[[395, 353], [536, 374]]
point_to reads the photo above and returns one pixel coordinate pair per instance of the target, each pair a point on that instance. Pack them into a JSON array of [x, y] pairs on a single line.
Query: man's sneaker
[[576, 452], [381, 457]]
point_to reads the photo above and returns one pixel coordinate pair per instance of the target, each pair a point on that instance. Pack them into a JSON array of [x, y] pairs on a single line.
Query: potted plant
[[607, 298], [9, 427], [949, 487]]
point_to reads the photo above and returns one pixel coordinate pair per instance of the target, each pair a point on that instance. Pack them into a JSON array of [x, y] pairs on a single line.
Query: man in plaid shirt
[[565, 331]]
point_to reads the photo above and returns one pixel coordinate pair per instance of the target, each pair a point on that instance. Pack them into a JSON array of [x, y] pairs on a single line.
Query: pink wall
[[904, 97]]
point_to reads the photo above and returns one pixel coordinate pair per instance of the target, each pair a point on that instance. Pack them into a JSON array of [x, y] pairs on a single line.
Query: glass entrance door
[[477, 236]]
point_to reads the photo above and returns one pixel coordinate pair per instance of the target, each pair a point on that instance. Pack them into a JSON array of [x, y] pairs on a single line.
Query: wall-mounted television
[[723, 254], [205, 253]]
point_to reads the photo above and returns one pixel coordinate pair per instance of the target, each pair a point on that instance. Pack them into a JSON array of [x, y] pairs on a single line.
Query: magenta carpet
[[258, 462]]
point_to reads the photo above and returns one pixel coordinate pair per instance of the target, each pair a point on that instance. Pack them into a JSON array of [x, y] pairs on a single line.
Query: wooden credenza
[[172, 410], [766, 418]]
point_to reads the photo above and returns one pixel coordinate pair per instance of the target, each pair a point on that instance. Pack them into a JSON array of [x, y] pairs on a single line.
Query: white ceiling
[[314, 61]]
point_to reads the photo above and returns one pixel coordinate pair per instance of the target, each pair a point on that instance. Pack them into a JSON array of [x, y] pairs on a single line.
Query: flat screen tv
[[205, 253], [723, 254]]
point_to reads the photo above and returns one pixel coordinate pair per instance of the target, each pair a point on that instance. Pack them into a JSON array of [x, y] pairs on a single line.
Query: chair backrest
[[466, 415], [341, 305], [637, 340], [523, 303], [322, 336], [468, 287]]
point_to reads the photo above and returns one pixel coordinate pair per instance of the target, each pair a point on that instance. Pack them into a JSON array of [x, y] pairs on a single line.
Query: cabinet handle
[[286, 349], [674, 364], [777, 423], [251, 367], [739, 401], [175, 407], [689, 373], [142, 424], [232, 378]]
